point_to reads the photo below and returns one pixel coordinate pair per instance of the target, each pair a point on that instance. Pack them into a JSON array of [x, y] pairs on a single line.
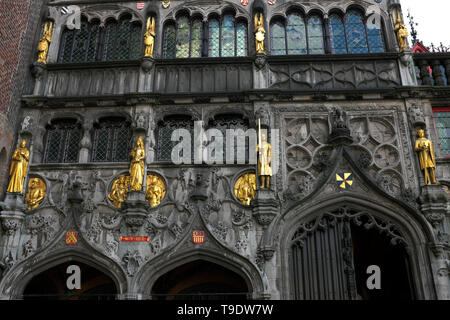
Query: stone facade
[[380, 104]]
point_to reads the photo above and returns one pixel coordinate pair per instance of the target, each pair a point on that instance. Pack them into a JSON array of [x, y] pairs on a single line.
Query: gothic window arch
[[112, 140], [165, 130], [355, 32], [62, 141], [117, 40]]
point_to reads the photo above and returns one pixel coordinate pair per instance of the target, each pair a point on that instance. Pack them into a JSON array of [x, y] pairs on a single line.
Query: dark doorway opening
[[200, 280], [52, 284], [372, 248]]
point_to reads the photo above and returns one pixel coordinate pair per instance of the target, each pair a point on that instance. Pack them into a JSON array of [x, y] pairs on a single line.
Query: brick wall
[[19, 28]]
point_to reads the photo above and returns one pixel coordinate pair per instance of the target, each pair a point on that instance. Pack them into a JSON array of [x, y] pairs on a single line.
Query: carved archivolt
[[364, 219]]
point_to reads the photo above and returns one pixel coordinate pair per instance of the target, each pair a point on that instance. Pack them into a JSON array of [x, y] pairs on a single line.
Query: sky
[[433, 18]]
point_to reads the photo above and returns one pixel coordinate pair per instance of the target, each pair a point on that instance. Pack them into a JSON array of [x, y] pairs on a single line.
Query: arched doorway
[[200, 280], [330, 255], [52, 284]]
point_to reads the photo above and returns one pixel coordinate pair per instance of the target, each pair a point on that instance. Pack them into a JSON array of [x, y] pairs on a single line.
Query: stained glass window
[[296, 34], [278, 38], [62, 141], [214, 38], [196, 41], [112, 140], [241, 41], [169, 42], [375, 37], [183, 37], [315, 35], [356, 33], [442, 120], [337, 35], [228, 37]]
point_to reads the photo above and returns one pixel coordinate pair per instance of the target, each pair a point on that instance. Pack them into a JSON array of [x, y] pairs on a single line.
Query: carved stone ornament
[[260, 61]]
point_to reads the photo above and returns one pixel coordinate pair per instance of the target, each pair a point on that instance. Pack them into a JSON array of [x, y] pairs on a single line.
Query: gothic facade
[[335, 92]]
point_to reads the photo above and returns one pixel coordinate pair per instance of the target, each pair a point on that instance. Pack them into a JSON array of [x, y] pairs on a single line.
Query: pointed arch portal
[[330, 256], [52, 284], [200, 280]]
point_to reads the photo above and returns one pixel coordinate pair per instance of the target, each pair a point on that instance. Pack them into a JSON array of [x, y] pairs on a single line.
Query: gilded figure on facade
[[156, 190], [44, 43], [264, 152], [137, 165], [427, 158], [259, 33], [19, 167], [149, 37], [119, 190], [36, 193], [245, 188], [402, 32]]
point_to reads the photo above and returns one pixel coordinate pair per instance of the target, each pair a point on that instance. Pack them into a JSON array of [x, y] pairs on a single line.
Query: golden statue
[[245, 187], [119, 190], [137, 166], [427, 156], [264, 151], [36, 193], [402, 32], [19, 167], [44, 43], [259, 32], [156, 190], [149, 37]]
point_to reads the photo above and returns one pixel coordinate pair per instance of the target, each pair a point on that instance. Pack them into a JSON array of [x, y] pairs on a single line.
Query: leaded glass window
[[356, 33], [241, 39], [112, 140], [62, 141], [164, 135], [296, 34], [337, 35], [183, 38], [80, 45], [315, 35], [228, 37], [442, 120], [122, 40], [196, 39], [240, 126], [214, 38], [375, 38], [169, 42], [278, 38]]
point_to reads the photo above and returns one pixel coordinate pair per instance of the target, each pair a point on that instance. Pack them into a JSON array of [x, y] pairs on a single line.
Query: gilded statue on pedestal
[[402, 32], [427, 157], [137, 165], [156, 190], [36, 193], [245, 187], [264, 151], [259, 32], [19, 167], [119, 190], [149, 37], [44, 43]]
